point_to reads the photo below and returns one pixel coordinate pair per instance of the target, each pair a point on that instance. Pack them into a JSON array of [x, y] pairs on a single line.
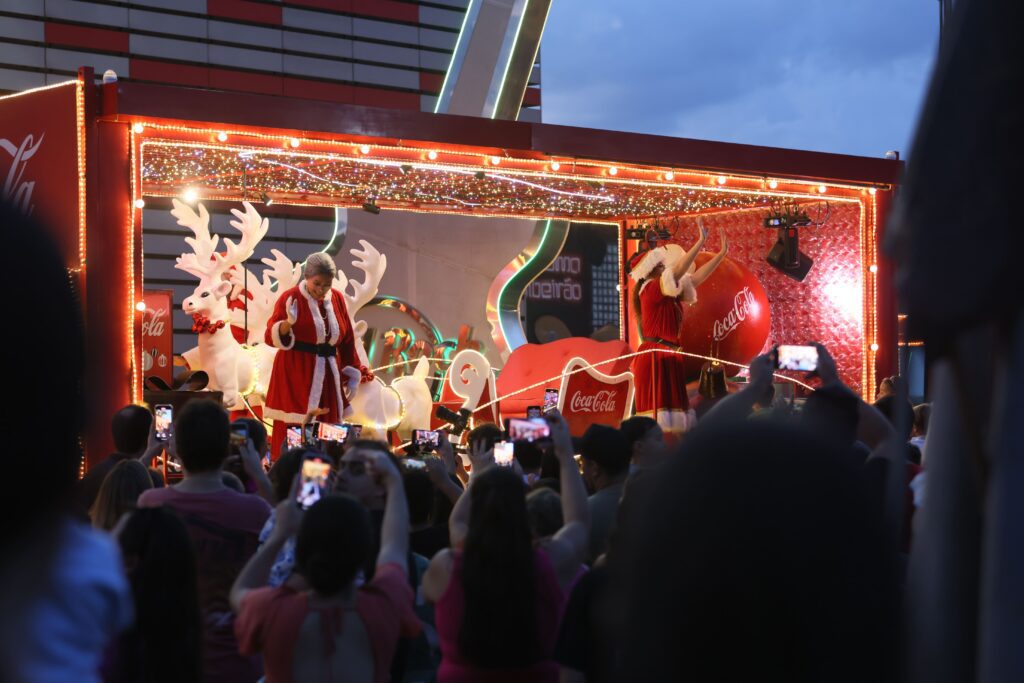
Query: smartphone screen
[[163, 414], [239, 435], [533, 411], [798, 358], [310, 432], [354, 430], [314, 481], [503, 453], [333, 432], [550, 399], [294, 437], [414, 464], [528, 430], [426, 440]]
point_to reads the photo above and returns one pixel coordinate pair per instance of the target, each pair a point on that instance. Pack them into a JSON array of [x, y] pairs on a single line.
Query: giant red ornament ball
[[730, 320]]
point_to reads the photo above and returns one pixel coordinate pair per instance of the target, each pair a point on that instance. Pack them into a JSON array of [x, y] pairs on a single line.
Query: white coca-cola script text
[[742, 305]]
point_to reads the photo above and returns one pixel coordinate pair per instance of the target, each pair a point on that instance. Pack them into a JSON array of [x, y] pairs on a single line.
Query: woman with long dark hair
[[498, 595], [164, 644], [119, 493]]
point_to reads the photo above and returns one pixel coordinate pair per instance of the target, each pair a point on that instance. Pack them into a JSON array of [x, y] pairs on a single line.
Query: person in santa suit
[[317, 370], [666, 278]]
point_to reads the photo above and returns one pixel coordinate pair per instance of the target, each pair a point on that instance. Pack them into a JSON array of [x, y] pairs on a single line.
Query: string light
[[52, 86], [82, 198]]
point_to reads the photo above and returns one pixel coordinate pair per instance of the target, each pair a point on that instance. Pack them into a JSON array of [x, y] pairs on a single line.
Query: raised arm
[[872, 427], [568, 547], [704, 272], [394, 532], [688, 258], [256, 573], [458, 522]]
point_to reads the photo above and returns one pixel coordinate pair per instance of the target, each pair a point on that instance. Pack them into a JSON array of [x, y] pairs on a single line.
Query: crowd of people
[[766, 545]]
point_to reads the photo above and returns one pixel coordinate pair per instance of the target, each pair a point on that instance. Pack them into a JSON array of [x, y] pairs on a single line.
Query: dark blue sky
[[842, 76]]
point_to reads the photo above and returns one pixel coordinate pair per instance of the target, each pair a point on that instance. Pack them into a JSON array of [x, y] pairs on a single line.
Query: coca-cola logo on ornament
[[153, 322], [15, 189], [600, 402], [742, 304]]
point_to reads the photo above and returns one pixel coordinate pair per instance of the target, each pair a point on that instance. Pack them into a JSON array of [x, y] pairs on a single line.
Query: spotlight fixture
[[785, 255], [370, 206], [266, 199], [405, 169]]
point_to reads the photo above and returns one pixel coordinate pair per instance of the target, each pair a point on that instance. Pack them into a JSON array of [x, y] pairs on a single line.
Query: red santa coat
[[660, 377], [301, 381]]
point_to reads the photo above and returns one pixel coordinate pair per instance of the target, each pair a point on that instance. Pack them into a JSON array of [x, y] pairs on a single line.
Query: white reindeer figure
[[230, 367]]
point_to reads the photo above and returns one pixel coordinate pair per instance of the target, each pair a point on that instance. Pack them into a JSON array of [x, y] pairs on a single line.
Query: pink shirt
[[271, 618]]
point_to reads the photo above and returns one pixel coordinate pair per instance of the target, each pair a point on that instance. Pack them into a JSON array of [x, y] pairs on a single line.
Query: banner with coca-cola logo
[[157, 335], [591, 397], [39, 161]]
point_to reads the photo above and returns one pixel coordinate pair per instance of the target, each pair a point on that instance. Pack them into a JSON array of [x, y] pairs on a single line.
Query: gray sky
[[842, 76]]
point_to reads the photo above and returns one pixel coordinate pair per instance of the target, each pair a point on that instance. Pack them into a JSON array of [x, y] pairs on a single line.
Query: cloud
[[813, 74]]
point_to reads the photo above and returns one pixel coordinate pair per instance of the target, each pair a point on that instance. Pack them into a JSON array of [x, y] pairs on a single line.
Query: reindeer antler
[[373, 264], [282, 270], [204, 245], [252, 227]]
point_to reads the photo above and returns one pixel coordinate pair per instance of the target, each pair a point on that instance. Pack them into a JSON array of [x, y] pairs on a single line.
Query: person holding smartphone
[[498, 597], [333, 624]]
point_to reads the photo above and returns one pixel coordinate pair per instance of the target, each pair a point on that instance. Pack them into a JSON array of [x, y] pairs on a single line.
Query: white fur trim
[[333, 361], [676, 421], [275, 336], [669, 286], [653, 259], [317, 386], [332, 320], [314, 310]]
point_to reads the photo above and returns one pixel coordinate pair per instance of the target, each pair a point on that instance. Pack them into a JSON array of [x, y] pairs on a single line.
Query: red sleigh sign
[[592, 397]]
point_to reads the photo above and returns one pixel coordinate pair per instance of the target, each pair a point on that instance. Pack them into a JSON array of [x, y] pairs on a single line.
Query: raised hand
[[826, 365], [725, 241], [762, 369], [292, 310], [480, 457], [352, 379], [559, 434]]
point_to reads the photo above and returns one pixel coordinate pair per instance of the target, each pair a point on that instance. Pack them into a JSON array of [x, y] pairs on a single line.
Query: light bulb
[[555, 166], [141, 307], [874, 347], [670, 176], [872, 190], [773, 184], [294, 142], [613, 171], [822, 189], [873, 268], [140, 203], [364, 149], [432, 155], [138, 128], [721, 180], [222, 136], [495, 160], [190, 195]]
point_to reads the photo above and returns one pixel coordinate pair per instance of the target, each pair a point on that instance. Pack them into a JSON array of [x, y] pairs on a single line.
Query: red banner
[[157, 335], [592, 397], [39, 161]]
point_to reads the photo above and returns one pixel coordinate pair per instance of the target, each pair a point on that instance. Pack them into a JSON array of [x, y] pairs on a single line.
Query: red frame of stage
[[108, 156]]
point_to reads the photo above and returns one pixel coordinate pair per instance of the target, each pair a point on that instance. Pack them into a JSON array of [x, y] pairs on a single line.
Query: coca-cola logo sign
[[17, 189], [154, 321], [600, 402], [743, 303]]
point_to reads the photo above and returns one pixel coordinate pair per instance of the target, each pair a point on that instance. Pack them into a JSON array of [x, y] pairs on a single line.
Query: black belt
[[659, 340], [322, 350]]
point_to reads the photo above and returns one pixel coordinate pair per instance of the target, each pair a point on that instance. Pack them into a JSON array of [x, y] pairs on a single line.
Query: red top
[[271, 618], [661, 315], [448, 619]]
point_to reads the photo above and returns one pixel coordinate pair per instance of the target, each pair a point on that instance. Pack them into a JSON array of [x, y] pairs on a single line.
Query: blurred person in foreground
[[224, 526], [63, 592], [498, 597], [605, 454]]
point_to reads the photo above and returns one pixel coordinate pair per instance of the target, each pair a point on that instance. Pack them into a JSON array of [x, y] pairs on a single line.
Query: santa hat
[[643, 263]]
